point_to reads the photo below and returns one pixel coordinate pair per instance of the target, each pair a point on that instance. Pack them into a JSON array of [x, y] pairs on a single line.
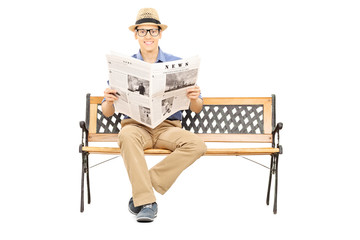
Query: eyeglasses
[[143, 32]]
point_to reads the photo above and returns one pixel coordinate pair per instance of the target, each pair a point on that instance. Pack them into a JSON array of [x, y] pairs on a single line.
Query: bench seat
[[209, 152]]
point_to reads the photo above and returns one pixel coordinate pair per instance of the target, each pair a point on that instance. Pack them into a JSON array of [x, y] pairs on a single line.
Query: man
[[134, 137], [141, 89]]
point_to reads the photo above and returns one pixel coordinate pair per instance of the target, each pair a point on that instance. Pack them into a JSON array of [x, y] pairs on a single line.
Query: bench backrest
[[240, 119]]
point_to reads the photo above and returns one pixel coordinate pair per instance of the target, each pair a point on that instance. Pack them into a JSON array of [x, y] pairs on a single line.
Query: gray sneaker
[[147, 213], [134, 210]]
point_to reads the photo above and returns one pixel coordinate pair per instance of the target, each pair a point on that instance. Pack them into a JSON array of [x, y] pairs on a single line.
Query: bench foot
[[85, 170], [273, 171]]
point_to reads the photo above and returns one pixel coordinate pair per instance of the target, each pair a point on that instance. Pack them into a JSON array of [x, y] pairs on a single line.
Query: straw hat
[[147, 16]]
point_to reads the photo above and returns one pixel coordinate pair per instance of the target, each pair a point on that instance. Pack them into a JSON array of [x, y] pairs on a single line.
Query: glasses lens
[[141, 32], [154, 32]]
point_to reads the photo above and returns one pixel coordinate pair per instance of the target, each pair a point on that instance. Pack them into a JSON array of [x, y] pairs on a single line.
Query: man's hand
[[193, 93], [108, 105], [195, 102], [110, 95]]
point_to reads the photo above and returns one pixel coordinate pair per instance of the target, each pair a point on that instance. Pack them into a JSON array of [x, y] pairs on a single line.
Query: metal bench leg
[[88, 178], [82, 182], [85, 170], [273, 170], [270, 179], [276, 182]]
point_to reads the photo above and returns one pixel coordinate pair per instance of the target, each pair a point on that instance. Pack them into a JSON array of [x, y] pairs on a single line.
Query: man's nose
[[148, 35]]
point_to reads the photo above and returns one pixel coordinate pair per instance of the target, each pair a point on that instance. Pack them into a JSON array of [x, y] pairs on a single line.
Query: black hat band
[[146, 20]]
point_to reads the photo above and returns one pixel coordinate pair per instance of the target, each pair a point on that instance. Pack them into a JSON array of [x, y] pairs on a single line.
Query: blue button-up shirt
[[162, 57]]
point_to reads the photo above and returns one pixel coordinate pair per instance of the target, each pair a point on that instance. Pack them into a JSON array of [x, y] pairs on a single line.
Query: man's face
[[148, 43]]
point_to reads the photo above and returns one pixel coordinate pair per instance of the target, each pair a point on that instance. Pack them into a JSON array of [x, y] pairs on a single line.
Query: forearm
[[107, 109], [196, 105]]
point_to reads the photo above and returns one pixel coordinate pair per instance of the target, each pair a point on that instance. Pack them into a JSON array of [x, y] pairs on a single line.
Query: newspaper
[[150, 93]]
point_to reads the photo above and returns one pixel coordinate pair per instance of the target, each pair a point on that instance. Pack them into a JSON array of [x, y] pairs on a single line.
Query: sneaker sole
[[145, 219]]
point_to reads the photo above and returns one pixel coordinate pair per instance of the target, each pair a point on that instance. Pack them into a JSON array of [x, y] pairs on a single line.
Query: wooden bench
[[239, 120]]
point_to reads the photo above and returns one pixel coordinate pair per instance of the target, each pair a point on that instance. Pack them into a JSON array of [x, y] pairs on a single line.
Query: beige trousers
[[134, 137]]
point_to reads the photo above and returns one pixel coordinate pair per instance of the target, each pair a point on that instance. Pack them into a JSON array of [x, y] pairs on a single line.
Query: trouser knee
[[198, 147], [127, 135]]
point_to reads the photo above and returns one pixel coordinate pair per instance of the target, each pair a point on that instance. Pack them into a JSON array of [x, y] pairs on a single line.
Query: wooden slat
[[268, 117], [213, 100], [241, 151], [103, 137], [209, 152], [96, 100], [93, 118], [236, 101], [244, 138]]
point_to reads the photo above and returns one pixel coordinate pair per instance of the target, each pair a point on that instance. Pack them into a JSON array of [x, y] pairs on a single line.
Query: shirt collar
[[160, 57]]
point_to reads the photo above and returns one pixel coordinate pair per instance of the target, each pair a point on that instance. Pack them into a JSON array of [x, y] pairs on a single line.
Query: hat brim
[[162, 26]]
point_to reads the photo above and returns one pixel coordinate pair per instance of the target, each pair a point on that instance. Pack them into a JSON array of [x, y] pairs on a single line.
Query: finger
[[193, 96], [193, 91], [114, 97], [110, 97], [195, 88], [109, 90]]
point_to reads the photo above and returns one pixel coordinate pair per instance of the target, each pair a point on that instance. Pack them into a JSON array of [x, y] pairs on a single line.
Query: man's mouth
[[148, 42]]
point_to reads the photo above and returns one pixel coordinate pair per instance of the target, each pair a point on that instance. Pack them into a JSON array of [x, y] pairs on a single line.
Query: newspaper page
[[150, 93]]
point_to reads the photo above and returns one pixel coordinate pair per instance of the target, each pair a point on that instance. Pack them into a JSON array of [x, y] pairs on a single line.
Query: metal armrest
[[86, 131], [278, 127], [276, 131]]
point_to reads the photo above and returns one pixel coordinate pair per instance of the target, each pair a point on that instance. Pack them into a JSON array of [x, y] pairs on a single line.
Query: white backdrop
[[305, 52]]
